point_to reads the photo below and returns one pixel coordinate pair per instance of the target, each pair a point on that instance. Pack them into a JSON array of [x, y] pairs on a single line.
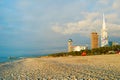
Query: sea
[[3, 59], [10, 59], [13, 57]]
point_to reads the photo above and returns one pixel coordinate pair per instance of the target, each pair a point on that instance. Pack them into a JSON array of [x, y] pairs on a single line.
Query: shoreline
[[63, 68]]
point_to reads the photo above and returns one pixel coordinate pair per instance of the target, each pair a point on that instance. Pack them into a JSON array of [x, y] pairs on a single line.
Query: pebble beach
[[98, 67]]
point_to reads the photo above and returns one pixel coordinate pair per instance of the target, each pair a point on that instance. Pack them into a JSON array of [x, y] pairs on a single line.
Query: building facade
[[104, 35], [70, 42], [79, 48], [74, 48], [94, 40]]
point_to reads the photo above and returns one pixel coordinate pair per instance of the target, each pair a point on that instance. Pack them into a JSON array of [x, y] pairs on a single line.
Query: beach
[[97, 67]]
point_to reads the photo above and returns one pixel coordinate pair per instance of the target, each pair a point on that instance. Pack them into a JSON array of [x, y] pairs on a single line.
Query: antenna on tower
[[104, 25]]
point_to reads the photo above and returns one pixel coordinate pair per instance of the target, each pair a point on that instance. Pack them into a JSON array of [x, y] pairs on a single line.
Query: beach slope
[[97, 67]]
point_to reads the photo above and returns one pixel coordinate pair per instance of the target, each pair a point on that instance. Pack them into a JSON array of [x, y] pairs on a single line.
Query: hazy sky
[[42, 26]]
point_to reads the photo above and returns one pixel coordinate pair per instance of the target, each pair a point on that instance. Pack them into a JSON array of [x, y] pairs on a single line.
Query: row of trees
[[96, 51]]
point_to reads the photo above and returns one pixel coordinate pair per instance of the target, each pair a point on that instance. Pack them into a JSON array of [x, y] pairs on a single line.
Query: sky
[[30, 27]]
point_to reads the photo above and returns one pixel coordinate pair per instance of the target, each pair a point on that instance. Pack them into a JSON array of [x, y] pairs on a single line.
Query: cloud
[[113, 29], [103, 2], [91, 22], [116, 4], [112, 18], [28, 21], [24, 3], [84, 27], [71, 28]]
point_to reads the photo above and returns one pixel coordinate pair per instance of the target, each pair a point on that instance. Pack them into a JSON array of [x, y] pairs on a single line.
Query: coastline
[[63, 68]]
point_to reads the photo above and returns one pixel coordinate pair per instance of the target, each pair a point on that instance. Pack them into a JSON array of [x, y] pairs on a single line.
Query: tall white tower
[[104, 35]]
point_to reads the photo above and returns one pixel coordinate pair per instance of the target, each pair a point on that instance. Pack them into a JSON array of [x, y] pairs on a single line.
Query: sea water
[[14, 58], [7, 59], [3, 59]]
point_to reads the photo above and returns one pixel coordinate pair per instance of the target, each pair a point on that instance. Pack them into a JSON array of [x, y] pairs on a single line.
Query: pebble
[[45, 69]]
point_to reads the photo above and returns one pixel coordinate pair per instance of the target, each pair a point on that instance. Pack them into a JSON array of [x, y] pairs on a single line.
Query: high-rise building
[[70, 49], [94, 40], [104, 35]]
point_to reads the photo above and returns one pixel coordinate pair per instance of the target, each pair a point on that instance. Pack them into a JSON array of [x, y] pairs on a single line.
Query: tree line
[[97, 51]]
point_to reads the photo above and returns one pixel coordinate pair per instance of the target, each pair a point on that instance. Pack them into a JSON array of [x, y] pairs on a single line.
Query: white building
[[75, 48], [104, 35], [79, 48]]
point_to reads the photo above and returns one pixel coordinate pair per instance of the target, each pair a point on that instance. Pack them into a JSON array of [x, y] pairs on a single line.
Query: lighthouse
[[70, 42], [104, 34]]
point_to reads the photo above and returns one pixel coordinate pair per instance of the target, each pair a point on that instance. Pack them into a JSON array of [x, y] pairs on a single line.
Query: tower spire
[[104, 25], [104, 35]]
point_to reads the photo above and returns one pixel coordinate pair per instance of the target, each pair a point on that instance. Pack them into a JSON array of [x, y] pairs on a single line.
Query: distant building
[[110, 43], [94, 40], [79, 48], [115, 43], [74, 48], [104, 35], [70, 49]]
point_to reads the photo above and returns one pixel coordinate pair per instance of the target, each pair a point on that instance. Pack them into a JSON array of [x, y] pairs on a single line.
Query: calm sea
[[3, 59], [13, 57], [8, 59]]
